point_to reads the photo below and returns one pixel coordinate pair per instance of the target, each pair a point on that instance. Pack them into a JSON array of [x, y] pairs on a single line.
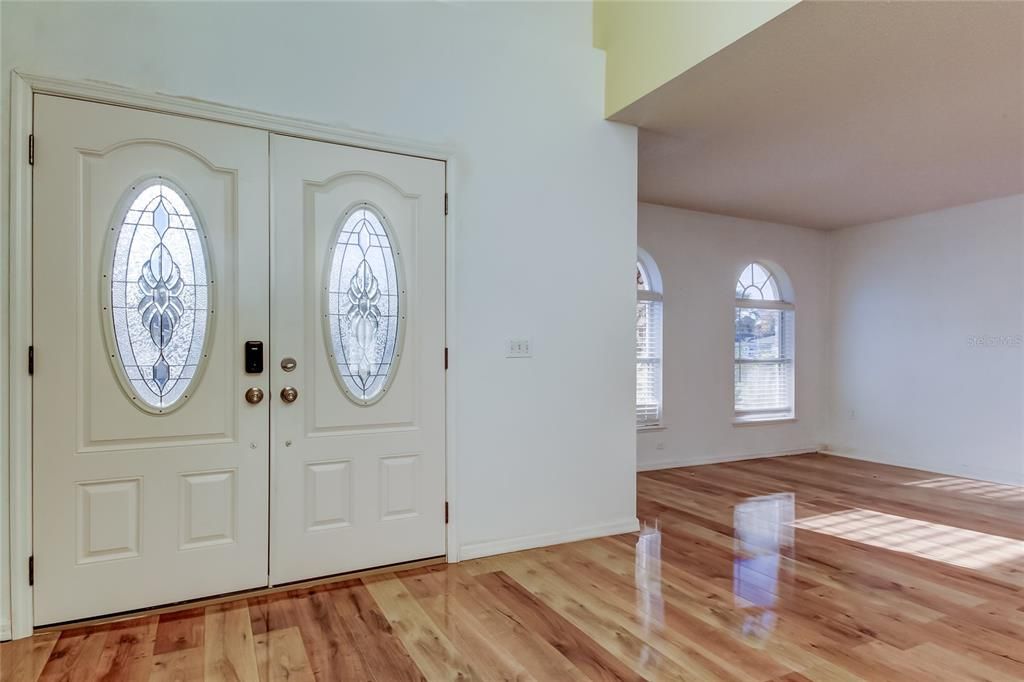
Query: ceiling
[[843, 113]]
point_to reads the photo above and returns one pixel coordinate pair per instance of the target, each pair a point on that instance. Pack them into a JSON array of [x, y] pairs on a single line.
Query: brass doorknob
[[289, 394], [254, 395]]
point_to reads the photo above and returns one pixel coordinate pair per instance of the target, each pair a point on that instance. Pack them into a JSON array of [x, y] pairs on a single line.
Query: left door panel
[[150, 273]]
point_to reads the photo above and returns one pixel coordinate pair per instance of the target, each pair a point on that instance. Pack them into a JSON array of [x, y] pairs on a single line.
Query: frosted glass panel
[[363, 304], [158, 294]]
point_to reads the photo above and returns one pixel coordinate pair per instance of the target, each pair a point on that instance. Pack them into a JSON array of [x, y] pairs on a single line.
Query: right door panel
[[358, 317]]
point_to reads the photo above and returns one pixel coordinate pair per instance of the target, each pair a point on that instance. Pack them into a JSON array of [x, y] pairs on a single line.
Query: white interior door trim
[[19, 388], [16, 384], [223, 113]]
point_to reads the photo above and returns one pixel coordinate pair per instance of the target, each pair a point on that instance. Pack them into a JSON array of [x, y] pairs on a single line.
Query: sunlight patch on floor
[[992, 491], [948, 544]]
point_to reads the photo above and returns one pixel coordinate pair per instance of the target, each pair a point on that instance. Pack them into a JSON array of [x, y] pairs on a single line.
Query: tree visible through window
[[648, 343], [763, 348]]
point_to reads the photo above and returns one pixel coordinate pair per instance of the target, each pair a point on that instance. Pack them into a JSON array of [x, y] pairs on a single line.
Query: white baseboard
[[5, 631], [482, 549], [716, 459], [966, 470]]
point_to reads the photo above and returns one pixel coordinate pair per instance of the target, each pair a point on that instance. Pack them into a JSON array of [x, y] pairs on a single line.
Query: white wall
[[912, 384], [545, 193], [700, 256]]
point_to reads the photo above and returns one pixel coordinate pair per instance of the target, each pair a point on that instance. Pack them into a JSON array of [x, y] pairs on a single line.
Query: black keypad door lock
[[254, 357]]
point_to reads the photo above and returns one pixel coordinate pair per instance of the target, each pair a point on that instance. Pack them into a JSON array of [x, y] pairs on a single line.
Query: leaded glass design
[[756, 283], [364, 314], [159, 294]]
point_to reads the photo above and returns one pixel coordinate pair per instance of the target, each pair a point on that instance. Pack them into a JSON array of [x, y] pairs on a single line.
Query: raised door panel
[[399, 486], [329, 204], [110, 417], [109, 519], [328, 495], [208, 508]]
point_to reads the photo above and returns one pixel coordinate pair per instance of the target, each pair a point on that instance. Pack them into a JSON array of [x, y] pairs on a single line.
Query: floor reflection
[[763, 552], [647, 578]]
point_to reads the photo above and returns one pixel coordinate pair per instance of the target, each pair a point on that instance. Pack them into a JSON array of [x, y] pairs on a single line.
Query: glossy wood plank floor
[[797, 568]]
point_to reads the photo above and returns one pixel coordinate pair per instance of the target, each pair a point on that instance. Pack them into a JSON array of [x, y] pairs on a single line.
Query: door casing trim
[[16, 269]]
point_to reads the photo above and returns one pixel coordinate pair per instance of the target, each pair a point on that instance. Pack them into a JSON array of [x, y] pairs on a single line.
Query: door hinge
[[31, 571], [31, 149], [446, 203], [446, 357], [446, 511], [31, 360]]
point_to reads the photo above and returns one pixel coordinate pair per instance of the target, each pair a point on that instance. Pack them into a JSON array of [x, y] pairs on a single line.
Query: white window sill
[[762, 421], [650, 427]]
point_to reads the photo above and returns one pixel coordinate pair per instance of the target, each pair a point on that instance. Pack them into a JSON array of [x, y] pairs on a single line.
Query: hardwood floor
[[798, 568]]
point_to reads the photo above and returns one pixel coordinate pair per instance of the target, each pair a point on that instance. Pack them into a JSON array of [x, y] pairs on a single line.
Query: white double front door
[[172, 257]]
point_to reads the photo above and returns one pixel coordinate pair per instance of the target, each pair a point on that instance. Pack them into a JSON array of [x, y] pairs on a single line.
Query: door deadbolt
[[288, 364], [254, 396], [289, 394]]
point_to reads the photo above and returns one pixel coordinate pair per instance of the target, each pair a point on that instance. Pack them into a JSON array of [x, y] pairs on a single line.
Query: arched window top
[[643, 280], [648, 277], [757, 283]]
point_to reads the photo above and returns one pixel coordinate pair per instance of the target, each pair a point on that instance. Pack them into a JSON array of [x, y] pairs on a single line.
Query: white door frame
[[16, 263]]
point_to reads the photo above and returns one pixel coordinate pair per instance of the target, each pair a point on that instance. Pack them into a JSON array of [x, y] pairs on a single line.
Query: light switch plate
[[517, 348]]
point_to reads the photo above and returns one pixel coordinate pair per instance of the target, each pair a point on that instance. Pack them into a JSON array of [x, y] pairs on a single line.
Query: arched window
[[648, 342], [763, 348]]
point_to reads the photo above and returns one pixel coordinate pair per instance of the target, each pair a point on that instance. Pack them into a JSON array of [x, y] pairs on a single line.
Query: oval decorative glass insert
[[364, 316], [157, 302]]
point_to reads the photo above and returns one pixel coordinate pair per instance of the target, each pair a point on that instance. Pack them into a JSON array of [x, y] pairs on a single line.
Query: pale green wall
[[649, 42]]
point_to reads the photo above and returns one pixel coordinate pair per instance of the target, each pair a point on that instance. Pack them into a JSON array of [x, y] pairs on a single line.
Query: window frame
[[787, 348], [652, 295]]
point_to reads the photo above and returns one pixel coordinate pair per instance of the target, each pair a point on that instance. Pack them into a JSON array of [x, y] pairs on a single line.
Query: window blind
[[648, 362], [763, 363]]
